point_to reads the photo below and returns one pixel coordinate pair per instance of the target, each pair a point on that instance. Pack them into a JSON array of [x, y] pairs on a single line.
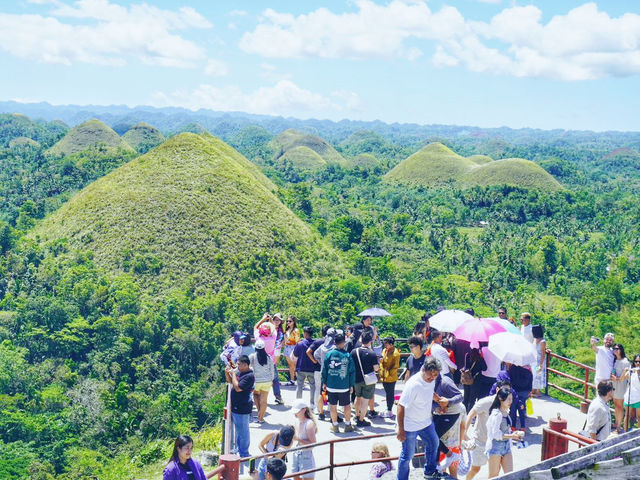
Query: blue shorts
[[303, 460], [500, 447]]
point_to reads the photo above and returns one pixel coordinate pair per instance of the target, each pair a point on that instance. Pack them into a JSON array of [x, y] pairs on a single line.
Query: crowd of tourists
[[455, 398]]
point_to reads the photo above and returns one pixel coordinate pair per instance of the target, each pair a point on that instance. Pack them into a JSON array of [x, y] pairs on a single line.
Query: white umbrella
[[374, 312], [449, 320], [512, 348]]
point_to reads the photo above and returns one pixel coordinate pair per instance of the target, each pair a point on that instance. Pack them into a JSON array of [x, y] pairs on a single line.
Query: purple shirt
[[173, 471]]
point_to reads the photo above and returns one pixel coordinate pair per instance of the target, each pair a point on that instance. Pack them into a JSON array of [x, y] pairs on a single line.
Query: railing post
[[231, 464], [546, 373], [331, 461], [584, 405]]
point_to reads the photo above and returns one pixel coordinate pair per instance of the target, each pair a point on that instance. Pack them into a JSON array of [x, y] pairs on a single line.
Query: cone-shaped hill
[[364, 160], [431, 165], [143, 137], [286, 146], [188, 212], [16, 129], [87, 135], [436, 164]]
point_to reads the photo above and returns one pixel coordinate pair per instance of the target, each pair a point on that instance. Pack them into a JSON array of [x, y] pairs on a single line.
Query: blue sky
[[542, 64]]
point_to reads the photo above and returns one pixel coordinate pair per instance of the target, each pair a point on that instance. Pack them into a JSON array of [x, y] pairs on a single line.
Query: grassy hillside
[[364, 160], [432, 165], [512, 171], [143, 137], [480, 159], [290, 139], [189, 212], [14, 126], [303, 158], [23, 142], [87, 135], [436, 164]]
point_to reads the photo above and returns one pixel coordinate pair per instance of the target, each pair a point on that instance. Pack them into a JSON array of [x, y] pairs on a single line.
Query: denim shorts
[[303, 460], [500, 447]]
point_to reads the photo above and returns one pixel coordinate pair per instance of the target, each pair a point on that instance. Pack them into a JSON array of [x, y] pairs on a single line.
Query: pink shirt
[[269, 341]]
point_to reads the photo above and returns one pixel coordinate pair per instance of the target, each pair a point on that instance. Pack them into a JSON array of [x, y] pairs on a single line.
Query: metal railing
[[584, 397]]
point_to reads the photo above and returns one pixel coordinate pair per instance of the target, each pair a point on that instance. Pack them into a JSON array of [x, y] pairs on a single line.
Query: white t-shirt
[[481, 408], [526, 332], [439, 352], [604, 363], [493, 363], [417, 398]]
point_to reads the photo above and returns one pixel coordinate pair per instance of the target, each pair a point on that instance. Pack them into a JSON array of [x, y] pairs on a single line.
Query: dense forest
[[98, 369]]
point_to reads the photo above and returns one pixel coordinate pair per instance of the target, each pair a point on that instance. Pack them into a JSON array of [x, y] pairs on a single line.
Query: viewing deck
[[544, 409]]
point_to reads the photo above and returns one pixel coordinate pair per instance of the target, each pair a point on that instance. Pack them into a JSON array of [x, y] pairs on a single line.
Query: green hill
[[143, 137], [189, 212], [436, 164], [364, 160], [23, 142], [432, 165], [512, 171], [291, 139], [89, 134], [14, 126], [303, 158], [480, 159]]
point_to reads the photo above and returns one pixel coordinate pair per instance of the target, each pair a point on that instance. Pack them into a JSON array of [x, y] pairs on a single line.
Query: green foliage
[[89, 134]]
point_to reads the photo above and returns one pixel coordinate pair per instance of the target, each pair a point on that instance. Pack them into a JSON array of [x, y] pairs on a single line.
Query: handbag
[[369, 378], [465, 375]]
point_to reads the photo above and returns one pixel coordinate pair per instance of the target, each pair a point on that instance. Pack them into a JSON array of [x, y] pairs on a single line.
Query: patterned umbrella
[[511, 328]]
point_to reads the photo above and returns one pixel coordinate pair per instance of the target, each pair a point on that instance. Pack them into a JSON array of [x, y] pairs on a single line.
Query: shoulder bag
[[369, 378]]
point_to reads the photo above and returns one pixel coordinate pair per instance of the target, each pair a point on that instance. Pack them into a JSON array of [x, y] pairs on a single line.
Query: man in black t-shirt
[[366, 361], [416, 359], [241, 403]]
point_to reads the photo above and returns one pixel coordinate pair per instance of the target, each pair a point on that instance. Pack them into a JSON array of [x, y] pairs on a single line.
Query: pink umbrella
[[478, 330]]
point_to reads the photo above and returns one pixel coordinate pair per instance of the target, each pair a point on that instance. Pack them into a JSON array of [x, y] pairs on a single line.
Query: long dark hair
[[261, 355], [180, 442], [622, 354], [501, 395]]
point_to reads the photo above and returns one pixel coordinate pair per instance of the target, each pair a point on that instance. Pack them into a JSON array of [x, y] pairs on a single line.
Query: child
[[380, 450]]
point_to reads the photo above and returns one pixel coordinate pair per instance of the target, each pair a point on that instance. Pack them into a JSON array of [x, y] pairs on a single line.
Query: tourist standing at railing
[[447, 411], [604, 357], [598, 424], [521, 383], [267, 331], [262, 366], [389, 365], [291, 339], [317, 374], [441, 354], [242, 382], [274, 442], [320, 355], [306, 430], [620, 365], [305, 368], [474, 364], [366, 363], [540, 367], [277, 352], [339, 378], [476, 437], [231, 350], [416, 359], [632, 394], [366, 325], [246, 347], [499, 436], [181, 466], [525, 326], [415, 420]]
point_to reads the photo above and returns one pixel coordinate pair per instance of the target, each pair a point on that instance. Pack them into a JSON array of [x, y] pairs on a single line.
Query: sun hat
[[299, 405], [259, 344]]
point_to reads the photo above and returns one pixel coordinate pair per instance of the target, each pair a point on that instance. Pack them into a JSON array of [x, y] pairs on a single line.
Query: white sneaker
[[386, 414]]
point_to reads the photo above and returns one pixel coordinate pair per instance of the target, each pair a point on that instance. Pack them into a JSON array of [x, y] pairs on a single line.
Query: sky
[[488, 63]]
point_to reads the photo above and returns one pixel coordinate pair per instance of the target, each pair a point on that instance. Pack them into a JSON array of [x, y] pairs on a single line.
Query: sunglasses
[[636, 361]]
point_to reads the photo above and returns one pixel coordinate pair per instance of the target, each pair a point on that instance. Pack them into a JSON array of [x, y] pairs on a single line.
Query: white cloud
[[237, 13], [283, 98], [216, 68], [104, 33], [584, 43]]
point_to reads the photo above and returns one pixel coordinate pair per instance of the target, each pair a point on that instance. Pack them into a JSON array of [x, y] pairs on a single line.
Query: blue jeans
[[429, 437], [522, 412], [276, 383], [243, 437]]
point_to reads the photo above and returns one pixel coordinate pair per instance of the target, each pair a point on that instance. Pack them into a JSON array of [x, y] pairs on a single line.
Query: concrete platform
[[277, 416]]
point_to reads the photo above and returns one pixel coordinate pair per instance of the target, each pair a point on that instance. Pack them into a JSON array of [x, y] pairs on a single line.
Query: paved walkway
[[277, 416]]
